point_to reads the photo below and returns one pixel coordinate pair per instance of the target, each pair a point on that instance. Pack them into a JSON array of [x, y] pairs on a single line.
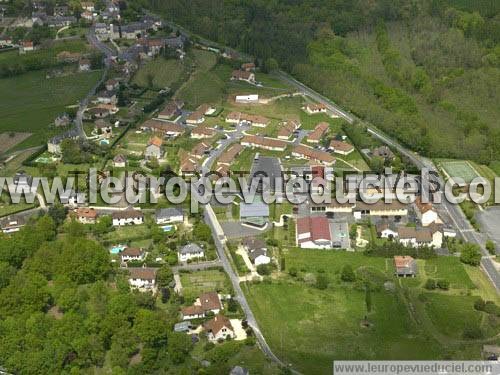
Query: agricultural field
[[309, 326], [36, 101], [10, 139]]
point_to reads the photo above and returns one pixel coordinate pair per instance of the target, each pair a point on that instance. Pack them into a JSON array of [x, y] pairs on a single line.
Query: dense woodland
[[424, 71]]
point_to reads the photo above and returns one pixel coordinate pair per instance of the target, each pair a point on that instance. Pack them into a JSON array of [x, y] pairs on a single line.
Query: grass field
[[10, 139], [198, 282], [161, 72], [309, 327], [36, 101]]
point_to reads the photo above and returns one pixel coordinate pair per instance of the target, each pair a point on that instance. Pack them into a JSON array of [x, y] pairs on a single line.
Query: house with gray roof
[[190, 251], [169, 215], [255, 214]]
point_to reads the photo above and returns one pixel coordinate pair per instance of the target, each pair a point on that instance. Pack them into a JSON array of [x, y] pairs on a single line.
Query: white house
[[133, 254], [119, 161], [219, 328], [86, 215], [169, 215], [127, 217], [257, 251], [207, 302], [142, 278], [385, 230], [426, 212], [253, 98], [313, 233], [190, 251]]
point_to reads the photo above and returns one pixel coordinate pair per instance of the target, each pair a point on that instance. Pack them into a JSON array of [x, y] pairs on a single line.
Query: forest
[[424, 71]]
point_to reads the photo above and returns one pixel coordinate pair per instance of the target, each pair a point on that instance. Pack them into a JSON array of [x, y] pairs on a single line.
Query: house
[[169, 129], [54, 143], [257, 250], [103, 128], [12, 224], [271, 144], [202, 132], [227, 158], [60, 21], [88, 6], [287, 128], [97, 113], [313, 232], [386, 230], [86, 215], [313, 108], [339, 147], [169, 215], [219, 328], [254, 214], [26, 46], [176, 42], [317, 134], [133, 254], [84, 65], [107, 97], [112, 84], [238, 118], [416, 237], [127, 217], [172, 109], [252, 98], [426, 212], [248, 67], [383, 152], [153, 150], [120, 161], [5, 41], [61, 10], [142, 278], [207, 302], [380, 208], [305, 152], [405, 266], [62, 120], [241, 75], [195, 118], [190, 251], [86, 15], [200, 150]]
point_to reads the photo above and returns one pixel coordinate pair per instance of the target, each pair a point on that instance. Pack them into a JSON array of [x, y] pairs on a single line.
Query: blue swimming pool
[[117, 249], [167, 228]]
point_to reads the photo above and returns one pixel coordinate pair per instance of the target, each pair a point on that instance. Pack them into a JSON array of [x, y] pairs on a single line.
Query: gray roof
[[190, 248], [256, 253], [165, 213], [182, 326], [255, 209], [237, 370]]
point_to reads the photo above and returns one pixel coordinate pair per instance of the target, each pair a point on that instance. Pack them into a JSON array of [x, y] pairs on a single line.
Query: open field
[[36, 101], [10, 139], [158, 73], [195, 283], [309, 327]]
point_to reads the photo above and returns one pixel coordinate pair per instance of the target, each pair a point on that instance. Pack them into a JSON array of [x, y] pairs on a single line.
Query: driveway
[[234, 229]]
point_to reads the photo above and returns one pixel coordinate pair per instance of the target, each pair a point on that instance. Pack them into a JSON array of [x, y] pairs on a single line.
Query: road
[[462, 225], [211, 220]]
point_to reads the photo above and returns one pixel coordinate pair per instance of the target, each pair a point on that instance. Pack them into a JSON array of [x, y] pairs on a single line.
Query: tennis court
[[459, 168]]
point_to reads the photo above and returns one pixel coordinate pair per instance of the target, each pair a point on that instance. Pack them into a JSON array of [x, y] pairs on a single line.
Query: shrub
[[479, 304], [293, 272], [263, 270], [347, 274], [430, 284], [472, 333], [443, 284], [490, 246], [321, 282]]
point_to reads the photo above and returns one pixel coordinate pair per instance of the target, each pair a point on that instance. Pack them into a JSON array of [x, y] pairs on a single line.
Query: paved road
[[458, 218]]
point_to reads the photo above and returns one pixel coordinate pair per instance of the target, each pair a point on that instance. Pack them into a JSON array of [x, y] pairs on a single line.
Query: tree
[[430, 284], [232, 306], [347, 274], [151, 328], [321, 281], [179, 345], [443, 284], [103, 225], [470, 254], [353, 231], [263, 269], [164, 276], [293, 272], [58, 213], [491, 247]]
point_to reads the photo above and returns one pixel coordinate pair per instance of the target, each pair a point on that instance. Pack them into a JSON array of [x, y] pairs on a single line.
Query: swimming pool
[[117, 249], [167, 228]]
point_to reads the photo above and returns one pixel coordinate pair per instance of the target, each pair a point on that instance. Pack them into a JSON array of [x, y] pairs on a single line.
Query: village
[[168, 105]]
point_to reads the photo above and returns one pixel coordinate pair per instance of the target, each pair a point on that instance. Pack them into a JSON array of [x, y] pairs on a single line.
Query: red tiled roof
[[210, 301]]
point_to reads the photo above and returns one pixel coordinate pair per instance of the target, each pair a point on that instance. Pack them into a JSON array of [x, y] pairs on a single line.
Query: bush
[[293, 272], [470, 254], [479, 304], [473, 333], [321, 282], [443, 284], [430, 284], [347, 274], [263, 269], [491, 308], [490, 246], [208, 346]]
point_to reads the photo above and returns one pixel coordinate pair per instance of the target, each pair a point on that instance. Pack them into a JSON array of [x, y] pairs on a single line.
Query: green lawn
[[160, 71], [310, 328], [127, 233], [195, 283], [451, 269], [36, 101]]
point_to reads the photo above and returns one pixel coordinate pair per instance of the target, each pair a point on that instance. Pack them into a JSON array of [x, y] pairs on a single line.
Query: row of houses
[[240, 118]]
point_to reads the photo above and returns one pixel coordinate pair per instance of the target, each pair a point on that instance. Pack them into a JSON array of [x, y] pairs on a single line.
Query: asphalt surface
[[460, 222]]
